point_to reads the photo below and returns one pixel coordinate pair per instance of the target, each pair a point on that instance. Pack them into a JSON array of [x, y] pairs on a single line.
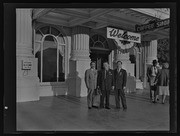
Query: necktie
[[105, 73], [155, 69]]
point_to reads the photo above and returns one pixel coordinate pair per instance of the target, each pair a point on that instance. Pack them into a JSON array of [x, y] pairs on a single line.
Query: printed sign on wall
[[26, 64]]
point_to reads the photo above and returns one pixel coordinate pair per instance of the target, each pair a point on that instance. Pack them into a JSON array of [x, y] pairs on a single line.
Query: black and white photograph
[[94, 69]]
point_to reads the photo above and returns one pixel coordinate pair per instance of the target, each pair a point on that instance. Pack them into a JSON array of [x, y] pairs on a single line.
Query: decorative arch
[[98, 41], [37, 25], [50, 48], [40, 25]]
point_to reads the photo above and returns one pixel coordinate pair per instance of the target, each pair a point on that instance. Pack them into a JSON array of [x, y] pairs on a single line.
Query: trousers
[[119, 94], [90, 97], [105, 95]]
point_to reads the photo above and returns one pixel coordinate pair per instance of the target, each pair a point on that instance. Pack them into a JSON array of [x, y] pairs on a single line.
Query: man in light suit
[[105, 84], [91, 83], [120, 79]]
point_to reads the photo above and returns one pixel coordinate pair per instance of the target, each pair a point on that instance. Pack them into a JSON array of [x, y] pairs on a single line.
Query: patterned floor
[[68, 113]]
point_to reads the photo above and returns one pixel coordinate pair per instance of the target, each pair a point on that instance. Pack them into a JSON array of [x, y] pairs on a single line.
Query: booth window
[[50, 50]]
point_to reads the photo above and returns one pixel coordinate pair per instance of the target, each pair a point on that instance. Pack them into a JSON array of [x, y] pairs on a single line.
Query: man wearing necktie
[[105, 84], [120, 79], [91, 84], [151, 74]]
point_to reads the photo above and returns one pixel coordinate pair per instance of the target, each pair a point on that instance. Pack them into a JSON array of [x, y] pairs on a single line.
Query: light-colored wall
[[27, 80]]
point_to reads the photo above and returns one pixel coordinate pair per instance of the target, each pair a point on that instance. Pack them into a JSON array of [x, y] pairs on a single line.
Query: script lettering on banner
[[114, 33]]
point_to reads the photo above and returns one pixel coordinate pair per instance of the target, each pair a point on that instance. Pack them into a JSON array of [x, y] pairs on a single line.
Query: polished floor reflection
[[67, 113]]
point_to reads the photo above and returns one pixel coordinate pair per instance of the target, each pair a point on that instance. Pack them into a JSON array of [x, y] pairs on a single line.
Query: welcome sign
[[114, 33]]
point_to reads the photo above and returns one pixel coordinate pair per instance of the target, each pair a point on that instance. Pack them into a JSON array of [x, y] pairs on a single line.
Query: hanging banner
[[114, 33], [152, 25], [124, 48]]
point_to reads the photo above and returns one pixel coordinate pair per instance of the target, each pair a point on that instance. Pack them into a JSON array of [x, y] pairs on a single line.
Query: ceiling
[[97, 18]]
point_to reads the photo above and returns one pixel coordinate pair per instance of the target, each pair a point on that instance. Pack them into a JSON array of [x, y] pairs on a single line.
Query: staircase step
[[139, 84]]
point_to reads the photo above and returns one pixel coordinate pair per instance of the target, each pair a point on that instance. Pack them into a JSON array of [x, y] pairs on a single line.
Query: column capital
[[80, 30], [80, 43], [154, 40]]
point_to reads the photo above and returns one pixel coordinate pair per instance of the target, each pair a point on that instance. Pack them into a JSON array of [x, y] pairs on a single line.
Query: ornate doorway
[[99, 50]]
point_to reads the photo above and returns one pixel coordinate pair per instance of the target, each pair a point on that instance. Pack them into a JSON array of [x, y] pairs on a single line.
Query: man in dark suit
[[120, 78], [105, 84]]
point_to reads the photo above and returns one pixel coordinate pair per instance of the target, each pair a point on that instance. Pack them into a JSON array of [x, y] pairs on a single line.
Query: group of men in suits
[[106, 80]]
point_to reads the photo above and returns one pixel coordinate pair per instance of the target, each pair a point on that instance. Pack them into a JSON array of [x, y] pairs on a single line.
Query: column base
[[131, 84], [139, 84], [27, 81], [145, 83], [27, 89], [75, 80], [129, 68]]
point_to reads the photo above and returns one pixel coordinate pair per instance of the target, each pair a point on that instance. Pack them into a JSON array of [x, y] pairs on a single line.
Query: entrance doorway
[[99, 56], [99, 50]]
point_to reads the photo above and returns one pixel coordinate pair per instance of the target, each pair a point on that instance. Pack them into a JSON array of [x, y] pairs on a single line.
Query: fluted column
[[79, 62], [150, 55], [137, 63], [24, 32], [137, 66], [152, 52], [80, 43], [27, 80]]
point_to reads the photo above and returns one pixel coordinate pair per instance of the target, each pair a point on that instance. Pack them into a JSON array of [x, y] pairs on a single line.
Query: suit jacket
[[106, 83], [91, 79], [149, 73], [120, 78]]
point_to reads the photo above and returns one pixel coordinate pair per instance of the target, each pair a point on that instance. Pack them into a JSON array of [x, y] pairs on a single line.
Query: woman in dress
[[162, 81]]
